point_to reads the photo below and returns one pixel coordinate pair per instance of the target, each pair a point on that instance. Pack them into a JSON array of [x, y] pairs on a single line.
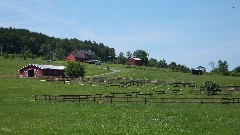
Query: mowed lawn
[[20, 114]]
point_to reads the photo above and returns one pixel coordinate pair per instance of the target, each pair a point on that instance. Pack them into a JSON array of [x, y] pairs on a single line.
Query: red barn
[[80, 55], [135, 61], [36, 70]]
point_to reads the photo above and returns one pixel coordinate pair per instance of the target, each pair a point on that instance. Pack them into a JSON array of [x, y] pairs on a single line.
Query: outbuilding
[[198, 71], [36, 70], [135, 61]]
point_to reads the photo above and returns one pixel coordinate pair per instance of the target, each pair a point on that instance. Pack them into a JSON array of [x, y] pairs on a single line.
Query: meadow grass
[[20, 114]]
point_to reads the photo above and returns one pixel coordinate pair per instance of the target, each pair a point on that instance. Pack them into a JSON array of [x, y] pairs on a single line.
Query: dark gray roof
[[76, 55], [88, 52]]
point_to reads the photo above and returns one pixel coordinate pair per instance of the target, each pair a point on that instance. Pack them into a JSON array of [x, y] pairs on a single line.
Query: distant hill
[[25, 43]]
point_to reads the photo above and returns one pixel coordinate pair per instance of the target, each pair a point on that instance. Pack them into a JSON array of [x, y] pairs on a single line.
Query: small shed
[[135, 61], [198, 71], [36, 70]]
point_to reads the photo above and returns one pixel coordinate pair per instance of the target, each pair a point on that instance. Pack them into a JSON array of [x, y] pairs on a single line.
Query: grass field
[[20, 114]]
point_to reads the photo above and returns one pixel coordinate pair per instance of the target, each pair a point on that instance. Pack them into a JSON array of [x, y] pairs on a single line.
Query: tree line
[[222, 69], [122, 59], [26, 44]]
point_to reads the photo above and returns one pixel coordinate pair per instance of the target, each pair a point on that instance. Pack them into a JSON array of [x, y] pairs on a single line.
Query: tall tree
[[223, 67], [152, 63], [129, 54], [121, 59], [142, 55], [162, 64], [173, 66]]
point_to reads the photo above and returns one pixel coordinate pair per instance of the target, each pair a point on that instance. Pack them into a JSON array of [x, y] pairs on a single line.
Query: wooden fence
[[99, 98]]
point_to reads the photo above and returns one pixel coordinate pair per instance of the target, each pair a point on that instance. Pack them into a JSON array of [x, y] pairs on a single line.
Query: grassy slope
[[19, 114]]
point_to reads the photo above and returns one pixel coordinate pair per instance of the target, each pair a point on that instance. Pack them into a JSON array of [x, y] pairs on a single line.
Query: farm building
[[198, 71], [36, 70], [79, 55], [135, 61]]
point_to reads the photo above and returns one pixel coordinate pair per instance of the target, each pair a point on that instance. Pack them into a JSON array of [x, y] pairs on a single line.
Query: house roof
[[88, 52], [76, 55], [44, 67]]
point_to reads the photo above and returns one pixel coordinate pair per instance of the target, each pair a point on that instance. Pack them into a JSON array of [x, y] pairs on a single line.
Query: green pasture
[[20, 114]]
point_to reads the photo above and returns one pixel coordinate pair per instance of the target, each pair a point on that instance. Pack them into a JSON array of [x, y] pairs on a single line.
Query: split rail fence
[[99, 98]]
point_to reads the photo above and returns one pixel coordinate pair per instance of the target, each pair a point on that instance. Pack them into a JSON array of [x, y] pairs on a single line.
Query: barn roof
[[44, 67], [136, 58]]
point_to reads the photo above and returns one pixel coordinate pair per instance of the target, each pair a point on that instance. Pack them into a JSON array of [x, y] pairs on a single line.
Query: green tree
[[121, 59], [25, 52], [236, 71], [129, 54], [184, 69], [152, 63], [173, 66], [162, 64], [141, 55], [74, 69], [223, 67], [46, 51]]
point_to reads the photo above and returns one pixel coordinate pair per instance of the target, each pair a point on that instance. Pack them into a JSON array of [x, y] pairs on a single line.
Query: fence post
[[49, 98], [94, 99], [35, 97], [78, 98], [145, 100]]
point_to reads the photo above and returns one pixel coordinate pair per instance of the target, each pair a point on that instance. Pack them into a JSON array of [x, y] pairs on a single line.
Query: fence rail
[[99, 98]]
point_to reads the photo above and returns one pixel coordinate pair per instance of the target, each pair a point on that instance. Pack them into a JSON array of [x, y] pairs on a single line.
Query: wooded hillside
[[25, 43]]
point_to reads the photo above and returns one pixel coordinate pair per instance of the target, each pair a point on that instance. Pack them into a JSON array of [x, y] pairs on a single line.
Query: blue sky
[[188, 32]]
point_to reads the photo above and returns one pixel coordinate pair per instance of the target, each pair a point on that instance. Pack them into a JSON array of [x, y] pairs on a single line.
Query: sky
[[188, 32]]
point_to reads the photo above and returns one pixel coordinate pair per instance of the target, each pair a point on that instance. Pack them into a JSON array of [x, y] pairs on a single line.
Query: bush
[[75, 69], [211, 88]]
